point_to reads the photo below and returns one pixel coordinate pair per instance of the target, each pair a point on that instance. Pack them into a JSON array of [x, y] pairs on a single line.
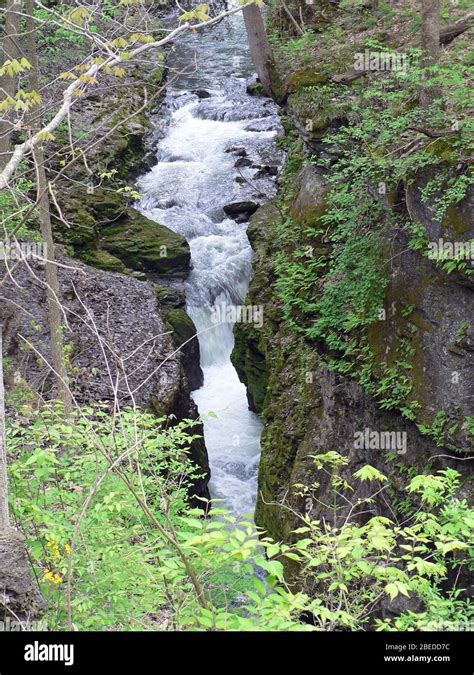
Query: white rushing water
[[206, 134]]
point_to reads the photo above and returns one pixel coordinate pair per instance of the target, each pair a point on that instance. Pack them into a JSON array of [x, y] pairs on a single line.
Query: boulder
[[104, 231], [243, 162], [144, 245], [20, 598], [201, 93], [310, 202], [240, 209], [256, 89]]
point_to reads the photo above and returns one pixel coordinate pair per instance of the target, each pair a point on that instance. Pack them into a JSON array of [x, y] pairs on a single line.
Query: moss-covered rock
[[256, 89], [104, 231], [306, 77], [144, 245], [170, 297], [185, 339], [104, 261], [310, 202], [251, 342], [182, 324], [307, 408]]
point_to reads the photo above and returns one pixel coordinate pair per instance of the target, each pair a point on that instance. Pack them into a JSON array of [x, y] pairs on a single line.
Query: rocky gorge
[[283, 267], [421, 331]]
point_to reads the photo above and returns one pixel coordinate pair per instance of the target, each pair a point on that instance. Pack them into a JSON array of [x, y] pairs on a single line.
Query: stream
[[217, 147]]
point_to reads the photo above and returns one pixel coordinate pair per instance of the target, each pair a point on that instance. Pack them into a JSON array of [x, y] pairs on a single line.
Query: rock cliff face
[[118, 343], [421, 344], [95, 220], [308, 409]]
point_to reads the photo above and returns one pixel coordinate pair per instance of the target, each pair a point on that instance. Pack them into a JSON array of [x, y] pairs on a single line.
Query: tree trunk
[[259, 46], [8, 83], [4, 513], [430, 45], [53, 290]]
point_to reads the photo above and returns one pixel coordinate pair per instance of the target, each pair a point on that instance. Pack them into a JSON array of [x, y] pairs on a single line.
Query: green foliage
[[333, 272], [299, 46], [199, 14], [94, 495], [54, 36], [437, 430], [356, 567], [13, 212]]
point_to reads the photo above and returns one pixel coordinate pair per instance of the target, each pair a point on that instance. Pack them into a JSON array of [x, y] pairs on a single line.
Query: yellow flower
[[54, 549], [52, 577], [68, 549]]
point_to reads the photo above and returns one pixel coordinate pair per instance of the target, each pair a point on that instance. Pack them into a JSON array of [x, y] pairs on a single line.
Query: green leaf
[[369, 473]]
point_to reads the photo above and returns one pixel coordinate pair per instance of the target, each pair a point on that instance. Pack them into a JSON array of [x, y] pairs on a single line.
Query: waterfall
[[218, 148]]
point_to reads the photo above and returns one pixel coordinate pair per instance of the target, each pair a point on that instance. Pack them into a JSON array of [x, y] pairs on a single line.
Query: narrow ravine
[[218, 148]]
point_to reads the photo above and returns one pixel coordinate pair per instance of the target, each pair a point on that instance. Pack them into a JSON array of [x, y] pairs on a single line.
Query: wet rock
[[172, 301], [256, 89], [170, 297], [243, 162], [164, 204], [238, 151], [149, 161], [248, 356], [241, 218], [218, 108], [185, 339], [201, 93], [240, 209], [263, 125], [212, 109], [179, 100], [266, 172]]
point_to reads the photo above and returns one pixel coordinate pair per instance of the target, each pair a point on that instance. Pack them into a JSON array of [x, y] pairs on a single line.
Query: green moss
[[251, 366], [143, 245], [104, 261], [444, 149], [277, 83], [256, 89], [81, 229], [182, 325], [305, 77], [458, 221]]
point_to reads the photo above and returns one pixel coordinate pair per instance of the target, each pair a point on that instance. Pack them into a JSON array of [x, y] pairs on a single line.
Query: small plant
[[354, 566]]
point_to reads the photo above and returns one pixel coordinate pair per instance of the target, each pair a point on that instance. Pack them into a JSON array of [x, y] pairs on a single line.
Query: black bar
[[315, 652]]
